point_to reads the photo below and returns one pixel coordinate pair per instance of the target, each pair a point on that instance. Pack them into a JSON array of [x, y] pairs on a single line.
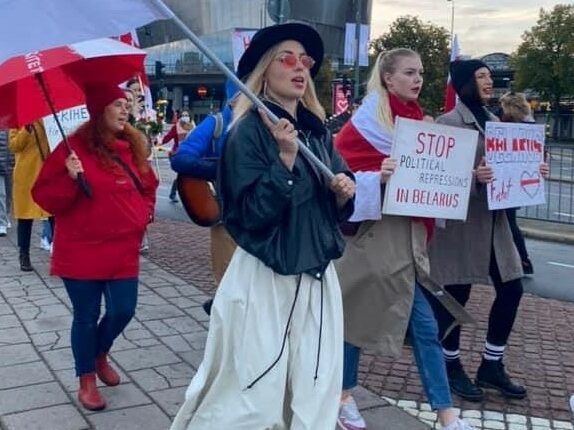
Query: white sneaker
[[45, 245], [3, 231], [458, 425], [349, 416], [572, 403]]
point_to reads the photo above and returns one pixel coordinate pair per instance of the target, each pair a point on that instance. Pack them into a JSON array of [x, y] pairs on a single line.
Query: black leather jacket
[[288, 220]]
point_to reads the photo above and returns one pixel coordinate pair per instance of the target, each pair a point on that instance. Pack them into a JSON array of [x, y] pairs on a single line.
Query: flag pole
[[80, 178], [242, 87]]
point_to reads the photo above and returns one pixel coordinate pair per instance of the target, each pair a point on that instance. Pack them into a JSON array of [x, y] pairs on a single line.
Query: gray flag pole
[[252, 97]]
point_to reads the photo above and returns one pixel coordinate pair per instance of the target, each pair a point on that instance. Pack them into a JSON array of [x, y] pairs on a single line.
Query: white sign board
[[70, 119], [515, 151], [240, 40], [434, 170]]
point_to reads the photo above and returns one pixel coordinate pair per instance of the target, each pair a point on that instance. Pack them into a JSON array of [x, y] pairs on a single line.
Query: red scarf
[[360, 155]]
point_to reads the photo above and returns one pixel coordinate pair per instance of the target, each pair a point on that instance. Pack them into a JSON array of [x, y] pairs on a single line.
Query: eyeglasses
[[290, 60]]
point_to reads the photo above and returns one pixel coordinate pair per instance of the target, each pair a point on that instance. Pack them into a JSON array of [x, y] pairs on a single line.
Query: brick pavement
[[540, 354], [157, 354], [162, 347]]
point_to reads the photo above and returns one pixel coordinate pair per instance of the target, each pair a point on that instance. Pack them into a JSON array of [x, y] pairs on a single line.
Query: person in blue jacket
[[197, 156], [198, 153]]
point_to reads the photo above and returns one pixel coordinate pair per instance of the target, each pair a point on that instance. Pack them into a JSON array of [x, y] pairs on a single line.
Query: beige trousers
[[248, 323]]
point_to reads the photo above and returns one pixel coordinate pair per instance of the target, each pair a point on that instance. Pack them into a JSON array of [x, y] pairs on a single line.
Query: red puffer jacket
[[95, 238]]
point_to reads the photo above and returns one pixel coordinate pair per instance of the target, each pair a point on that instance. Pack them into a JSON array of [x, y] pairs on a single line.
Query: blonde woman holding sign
[[386, 261]]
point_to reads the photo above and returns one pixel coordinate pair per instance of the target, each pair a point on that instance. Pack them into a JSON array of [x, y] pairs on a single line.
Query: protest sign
[[514, 151], [434, 170], [70, 119], [340, 100], [240, 40]]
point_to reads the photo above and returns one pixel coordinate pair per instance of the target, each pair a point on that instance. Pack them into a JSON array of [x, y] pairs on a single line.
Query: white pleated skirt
[[274, 353]]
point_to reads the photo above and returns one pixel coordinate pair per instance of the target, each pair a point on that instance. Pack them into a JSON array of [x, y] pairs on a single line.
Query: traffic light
[[159, 66]]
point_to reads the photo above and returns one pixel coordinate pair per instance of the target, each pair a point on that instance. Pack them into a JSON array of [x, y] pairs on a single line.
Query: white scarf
[[368, 125]]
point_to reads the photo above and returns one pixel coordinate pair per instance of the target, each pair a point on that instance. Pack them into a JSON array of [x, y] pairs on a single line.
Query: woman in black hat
[[478, 251], [274, 356]]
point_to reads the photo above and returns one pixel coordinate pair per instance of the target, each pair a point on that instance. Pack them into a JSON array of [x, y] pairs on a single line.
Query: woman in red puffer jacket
[[97, 239]]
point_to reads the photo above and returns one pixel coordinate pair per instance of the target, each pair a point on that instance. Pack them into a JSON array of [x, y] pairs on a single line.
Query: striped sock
[[493, 352], [451, 355]]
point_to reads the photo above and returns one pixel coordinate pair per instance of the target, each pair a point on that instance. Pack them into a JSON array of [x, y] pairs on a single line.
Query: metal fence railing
[[559, 206]]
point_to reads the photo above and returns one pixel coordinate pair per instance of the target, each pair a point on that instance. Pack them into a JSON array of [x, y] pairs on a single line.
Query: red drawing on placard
[[530, 183]]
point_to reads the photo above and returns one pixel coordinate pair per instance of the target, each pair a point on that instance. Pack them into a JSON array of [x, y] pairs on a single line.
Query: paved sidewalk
[[540, 354], [157, 355]]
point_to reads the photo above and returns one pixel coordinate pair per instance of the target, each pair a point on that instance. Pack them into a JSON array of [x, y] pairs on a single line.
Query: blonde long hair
[[515, 107], [386, 63], [256, 83]]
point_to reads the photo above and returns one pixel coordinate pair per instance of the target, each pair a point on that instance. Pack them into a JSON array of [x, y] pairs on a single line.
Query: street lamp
[[451, 20]]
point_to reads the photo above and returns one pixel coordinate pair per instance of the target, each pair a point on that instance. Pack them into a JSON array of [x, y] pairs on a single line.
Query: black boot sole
[[507, 394], [475, 399], [207, 306]]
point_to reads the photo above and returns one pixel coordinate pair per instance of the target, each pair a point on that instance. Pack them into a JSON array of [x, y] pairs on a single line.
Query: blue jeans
[[4, 209], [90, 338], [427, 350], [47, 230]]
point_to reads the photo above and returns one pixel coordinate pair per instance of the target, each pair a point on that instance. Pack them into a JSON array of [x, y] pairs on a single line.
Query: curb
[[548, 236]]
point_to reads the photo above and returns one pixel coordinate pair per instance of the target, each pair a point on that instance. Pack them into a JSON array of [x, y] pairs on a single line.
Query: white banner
[[434, 170], [240, 40], [515, 151], [70, 119], [350, 43]]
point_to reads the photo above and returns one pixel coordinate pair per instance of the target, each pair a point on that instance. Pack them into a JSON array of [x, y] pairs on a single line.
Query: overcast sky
[[483, 26]]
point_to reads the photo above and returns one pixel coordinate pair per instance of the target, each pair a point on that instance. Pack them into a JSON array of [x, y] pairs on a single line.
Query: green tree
[[431, 42], [544, 61]]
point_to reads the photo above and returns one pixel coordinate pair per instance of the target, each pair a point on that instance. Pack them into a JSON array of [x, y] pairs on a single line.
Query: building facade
[[502, 73], [187, 73]]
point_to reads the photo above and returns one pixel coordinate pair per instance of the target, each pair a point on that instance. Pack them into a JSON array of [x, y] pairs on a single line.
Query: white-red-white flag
[[450, 94], [32, 25], [132, 39]]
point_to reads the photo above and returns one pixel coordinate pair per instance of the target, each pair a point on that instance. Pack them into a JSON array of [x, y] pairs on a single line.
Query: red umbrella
[[39, 83], [30, 83]]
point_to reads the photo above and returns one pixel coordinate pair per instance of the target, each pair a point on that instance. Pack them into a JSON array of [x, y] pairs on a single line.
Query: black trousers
[[173, 190], [517, 234], [25, 233], [502, 313]]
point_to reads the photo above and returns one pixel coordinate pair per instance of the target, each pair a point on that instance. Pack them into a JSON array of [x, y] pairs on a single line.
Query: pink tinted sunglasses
[[290, 60]]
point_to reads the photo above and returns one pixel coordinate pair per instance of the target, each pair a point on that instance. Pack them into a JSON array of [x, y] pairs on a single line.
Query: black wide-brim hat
[[268, 37]]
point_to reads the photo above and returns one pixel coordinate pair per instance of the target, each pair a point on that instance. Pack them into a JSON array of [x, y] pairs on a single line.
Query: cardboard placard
[[434, 170], [515, 151]]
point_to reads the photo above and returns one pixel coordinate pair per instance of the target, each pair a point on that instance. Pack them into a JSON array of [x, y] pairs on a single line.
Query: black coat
[[287, 219]]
